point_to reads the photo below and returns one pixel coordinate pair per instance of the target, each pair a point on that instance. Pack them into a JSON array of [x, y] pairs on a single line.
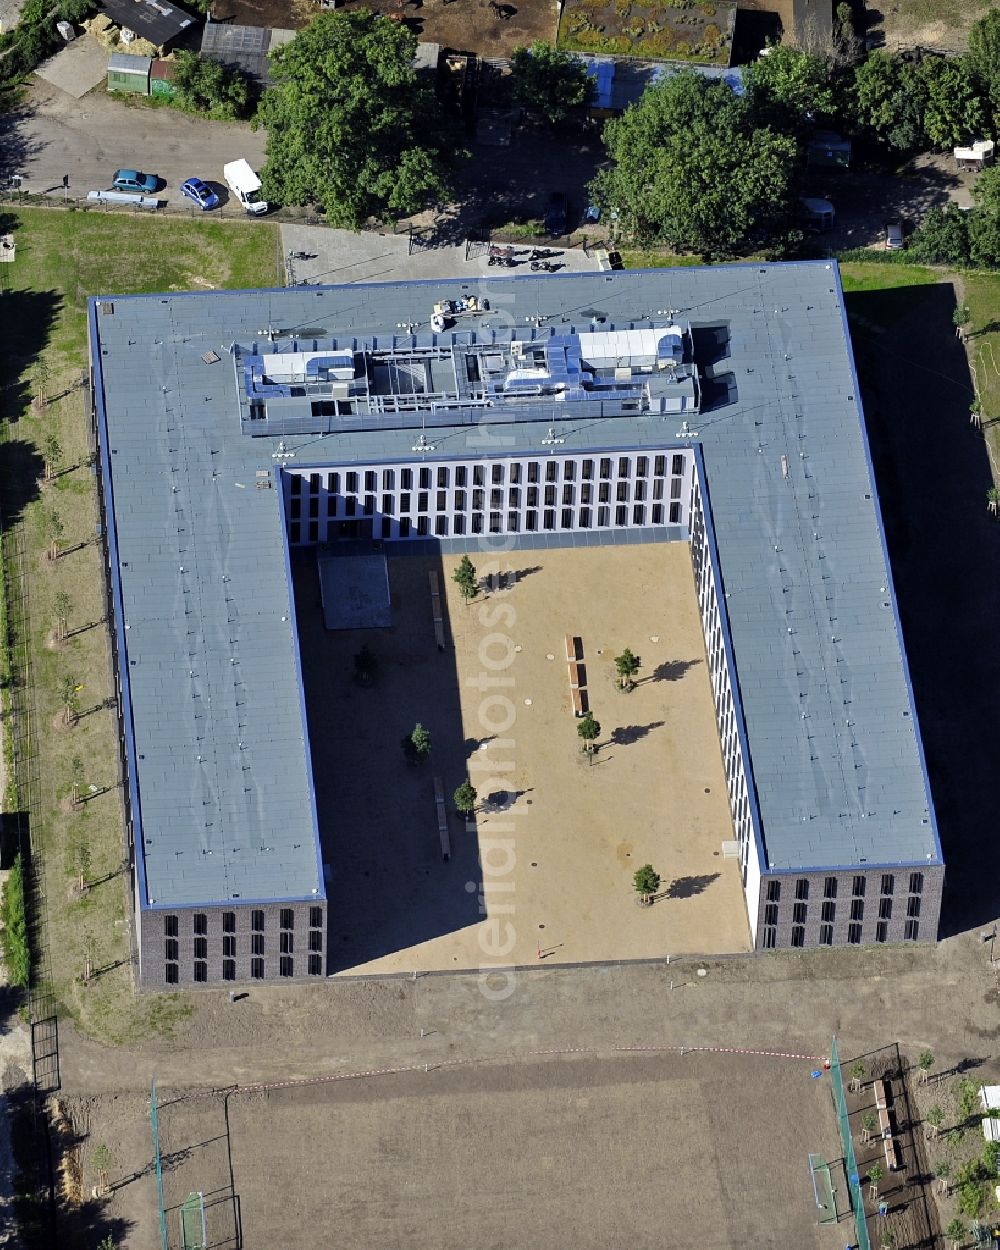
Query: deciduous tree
[[984, 58], [646, 881], [465, 798], [551, 83], [204, 86], [789, 88], [690, 167], [589, 729], [350, 126], [627, 665], [466, 578]]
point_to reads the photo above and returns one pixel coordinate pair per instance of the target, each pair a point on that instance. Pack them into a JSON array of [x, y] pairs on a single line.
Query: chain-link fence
[[850, 1161]]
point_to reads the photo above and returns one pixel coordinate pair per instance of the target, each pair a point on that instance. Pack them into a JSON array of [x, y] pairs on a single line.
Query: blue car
[[133, 180], [199, 193]]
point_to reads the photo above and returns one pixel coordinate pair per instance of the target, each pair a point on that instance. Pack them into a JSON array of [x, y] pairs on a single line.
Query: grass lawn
[[657, 260], [62, 257], [982, 297]]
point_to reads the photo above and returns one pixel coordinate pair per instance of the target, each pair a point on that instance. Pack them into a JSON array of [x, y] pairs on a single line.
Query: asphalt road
[[54, 135]]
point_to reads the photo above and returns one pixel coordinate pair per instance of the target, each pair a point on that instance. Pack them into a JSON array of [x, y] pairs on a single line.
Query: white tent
[[989, 1096]]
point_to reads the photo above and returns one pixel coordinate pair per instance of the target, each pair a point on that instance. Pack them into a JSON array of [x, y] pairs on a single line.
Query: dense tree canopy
[[692, 169], [205, 86], [791, 86], [350, 126], [550, 83], [984, 59], [935, 102]]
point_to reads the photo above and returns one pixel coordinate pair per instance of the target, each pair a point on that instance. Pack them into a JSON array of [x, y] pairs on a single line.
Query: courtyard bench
[[893, 1159], [881, 1094], [442, 819]]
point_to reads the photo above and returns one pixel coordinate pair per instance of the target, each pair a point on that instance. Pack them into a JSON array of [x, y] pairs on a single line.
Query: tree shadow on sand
[[688, 887], [625, 735]]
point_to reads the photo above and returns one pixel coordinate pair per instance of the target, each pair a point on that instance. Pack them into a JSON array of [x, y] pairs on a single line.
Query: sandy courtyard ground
[[579, 1152], [560, 836]]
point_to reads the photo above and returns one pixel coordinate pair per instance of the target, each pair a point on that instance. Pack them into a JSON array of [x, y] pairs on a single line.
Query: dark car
[[133, 180], [199, 193], [556, 215]]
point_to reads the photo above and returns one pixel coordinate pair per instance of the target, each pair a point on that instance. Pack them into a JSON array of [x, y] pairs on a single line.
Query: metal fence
[[844, 1124]]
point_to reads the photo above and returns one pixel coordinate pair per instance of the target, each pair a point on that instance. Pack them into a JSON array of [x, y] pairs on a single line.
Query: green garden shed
[[129, 73]]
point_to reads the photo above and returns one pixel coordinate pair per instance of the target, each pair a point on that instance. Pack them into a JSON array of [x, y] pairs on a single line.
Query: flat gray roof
[[208, 624]]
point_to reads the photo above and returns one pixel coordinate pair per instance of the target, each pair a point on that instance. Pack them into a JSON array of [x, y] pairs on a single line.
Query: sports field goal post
[[192, 1217]]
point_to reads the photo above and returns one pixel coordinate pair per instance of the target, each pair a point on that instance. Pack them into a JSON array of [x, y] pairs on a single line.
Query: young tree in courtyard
[[63, 606], [589, 729], [350, 124], [869, 1124], [69, 696], [466, 578], [955, 1232], [53, 532], [925, 1063], [941, 1174], [857, 1074], [52, 455], [646, 881], [417, 745], [627, 665], [875, 1174], [465, 798], [934, 1118], [550, 83]]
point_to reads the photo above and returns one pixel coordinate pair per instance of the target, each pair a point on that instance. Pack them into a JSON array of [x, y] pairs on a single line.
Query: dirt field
[[930, 23], [560, 1152], [561, 835]]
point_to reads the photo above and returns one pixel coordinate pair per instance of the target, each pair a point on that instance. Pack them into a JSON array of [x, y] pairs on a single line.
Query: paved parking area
[[341, 256]]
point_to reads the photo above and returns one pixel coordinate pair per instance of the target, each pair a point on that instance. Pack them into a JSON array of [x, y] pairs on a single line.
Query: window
[[478, 475], [799, 913], [587, 470], [257, 943], [826, 935], [257, 969], [551, 471], [916, 883], [566, 521], [404, 502], [885, 909], [200, 970], [422, 501], [621, 493], [406, 479], [639, 493], [675, 488], [638, 514], [857, 909], [605, 469], [332, 483], [172, 950], [172, 974], [768, 938], [199, 922], [770, 913], [567, 495], [388, 479], [532, 470], [912, 930], [584, 519], [286, 966], [881, 931], [802, 888], [257, 921], [854, 934], [316, 940], [830, 887], [798, 935], [829, 912], [315, 917], [442, 478], [675, 514], [913, 907], [229, 946], [425, 479], [604, 492], [229, 922], [642, 466], [514, 497], [351, 482], [677, 466], [774, 891], [287, 919], [657, 513], [201, 948], [858, 889], [550, 496], [515, 472], [169, 926], [315, 965], [659, 466], [460, 475], [569, 471], [229, 970], [287, 942]]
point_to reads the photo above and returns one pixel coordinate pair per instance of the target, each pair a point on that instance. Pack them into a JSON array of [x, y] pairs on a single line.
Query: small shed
[[129, 73], [977, 155], [161, 79], [989, 1096], [827, 150]]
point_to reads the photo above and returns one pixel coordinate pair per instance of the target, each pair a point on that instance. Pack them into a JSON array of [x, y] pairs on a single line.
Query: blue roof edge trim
[[111, 538], [890, 584], [279, 492], [727, 646]]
